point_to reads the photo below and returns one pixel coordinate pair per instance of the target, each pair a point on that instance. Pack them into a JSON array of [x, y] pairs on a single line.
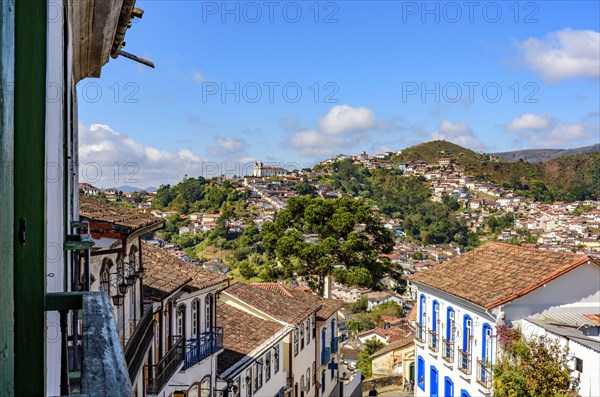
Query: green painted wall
[[29, 197]]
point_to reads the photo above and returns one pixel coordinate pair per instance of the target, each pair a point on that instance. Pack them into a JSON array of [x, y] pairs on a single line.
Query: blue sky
[[361, 68]]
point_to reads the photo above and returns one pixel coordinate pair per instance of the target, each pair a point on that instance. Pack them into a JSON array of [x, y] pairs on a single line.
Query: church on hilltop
[[260, 170]]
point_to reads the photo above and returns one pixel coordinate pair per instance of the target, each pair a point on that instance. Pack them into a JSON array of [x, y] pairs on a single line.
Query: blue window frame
[[486, 342], [323, 382], [421, 308], [323, 338], [464, 393], [435, 313], [467, 333], [448, 387], [421, 373], [434, 389], [450, 324]]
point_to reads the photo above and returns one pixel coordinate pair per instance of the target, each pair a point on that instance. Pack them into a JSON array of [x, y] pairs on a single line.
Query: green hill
[[569, 178], [432, 151]]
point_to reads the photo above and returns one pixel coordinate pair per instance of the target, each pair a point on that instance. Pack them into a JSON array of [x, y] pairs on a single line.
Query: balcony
[[139, 343], [420, 337], [325, 355], [464, 362], [160, 374], [433, 341], [484, 374], [334, 345], [448, 351], [208, 344], [96, 365]]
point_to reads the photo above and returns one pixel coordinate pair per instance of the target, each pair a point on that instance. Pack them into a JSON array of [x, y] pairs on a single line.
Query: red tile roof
[[242, 333], [132, 219], [165, 272], [497, 273], [277, 301]]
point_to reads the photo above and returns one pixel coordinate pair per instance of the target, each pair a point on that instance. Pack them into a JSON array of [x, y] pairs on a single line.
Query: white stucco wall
[[589, 378]]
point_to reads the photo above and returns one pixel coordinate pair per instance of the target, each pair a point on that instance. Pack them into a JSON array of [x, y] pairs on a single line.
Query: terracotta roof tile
[[93, 209], [165, 272], [497, 273], [277, 301], [242, 333], [404, 341]]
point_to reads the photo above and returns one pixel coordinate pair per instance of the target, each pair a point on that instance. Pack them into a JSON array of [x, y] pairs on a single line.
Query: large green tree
[[312, 236]]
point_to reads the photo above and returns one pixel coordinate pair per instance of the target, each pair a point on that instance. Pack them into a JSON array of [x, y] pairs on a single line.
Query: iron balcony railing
[[448, 350], [159, 374], [433, 341], [139, 343], [208, 344], [420, 337], [484, 374], [464, 362], [325, 355]]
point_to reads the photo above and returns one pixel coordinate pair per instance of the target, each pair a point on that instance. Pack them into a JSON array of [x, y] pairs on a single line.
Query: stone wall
[[383, 381]]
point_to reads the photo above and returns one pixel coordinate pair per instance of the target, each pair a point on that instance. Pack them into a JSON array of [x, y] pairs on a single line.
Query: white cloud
[[111, 159], [543, 131], [528, 121], [342, 128], [458, 133], [563, 54], [344, 118], [231, 145]]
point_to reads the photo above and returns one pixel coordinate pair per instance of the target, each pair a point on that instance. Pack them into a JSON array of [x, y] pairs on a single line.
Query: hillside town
[[431, 270], [381, 336]]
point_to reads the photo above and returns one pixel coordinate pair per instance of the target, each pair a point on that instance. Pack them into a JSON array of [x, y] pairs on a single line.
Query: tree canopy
[[312, 236]]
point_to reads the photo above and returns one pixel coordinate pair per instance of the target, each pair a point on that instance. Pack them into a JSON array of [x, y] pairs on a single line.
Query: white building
[[304, 326], [186, 339], [462, 301], [580, 334], [261, 170]]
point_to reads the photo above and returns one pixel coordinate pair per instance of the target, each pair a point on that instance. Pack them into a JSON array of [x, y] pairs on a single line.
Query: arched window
[[208, 313], [133, 256], [422, 311], [307, 332], [205, 387], [301, 337], [181, 321], [421, 373], [450, 324], [323, 382], [308, 379], [486, 345], [120, 268], [314, 372], [333, 331], [195, 311], [467, 333], [105, 276], [436, 316]]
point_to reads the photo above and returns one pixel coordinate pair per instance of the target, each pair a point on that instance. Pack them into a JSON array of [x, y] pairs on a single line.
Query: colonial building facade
[[460, 303]]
